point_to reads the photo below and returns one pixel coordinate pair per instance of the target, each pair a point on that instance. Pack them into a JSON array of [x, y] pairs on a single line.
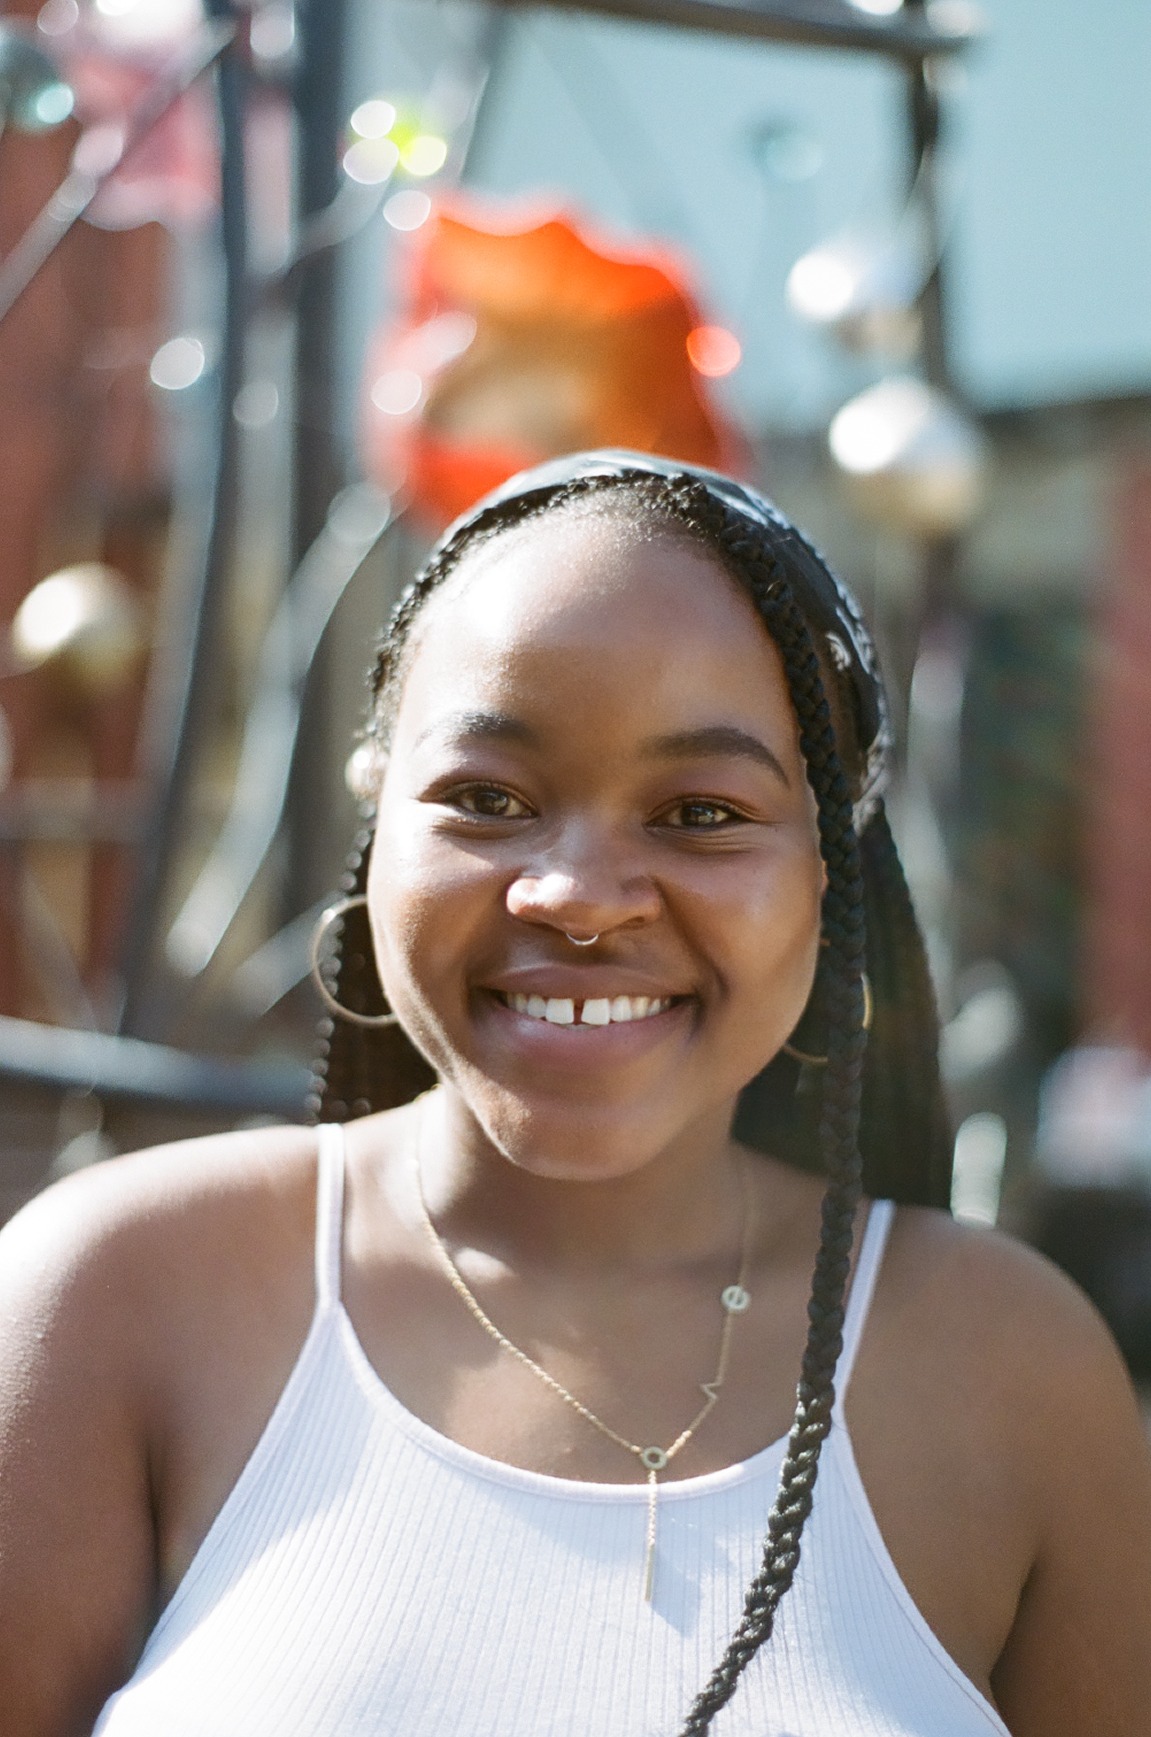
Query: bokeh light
[[408, 209], [178, 364], [256, 404], [272, 32], [57, 17], [371, 161], [147, 23], [374, 119], [714, 351], [426, 154], [398, 392], [822, 285]]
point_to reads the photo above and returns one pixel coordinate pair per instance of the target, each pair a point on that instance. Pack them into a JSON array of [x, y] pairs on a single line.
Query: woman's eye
[[489, 802], [698, 815]]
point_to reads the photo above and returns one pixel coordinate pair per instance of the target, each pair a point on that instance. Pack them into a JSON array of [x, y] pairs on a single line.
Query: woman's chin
[[604, 1141]]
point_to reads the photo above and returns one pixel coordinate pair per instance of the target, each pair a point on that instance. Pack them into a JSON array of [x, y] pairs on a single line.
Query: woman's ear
[[364, 770]]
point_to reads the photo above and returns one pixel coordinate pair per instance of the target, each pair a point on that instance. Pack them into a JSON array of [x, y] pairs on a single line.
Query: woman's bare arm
[[1078, 1659], [150, 1312], [76, 1537]]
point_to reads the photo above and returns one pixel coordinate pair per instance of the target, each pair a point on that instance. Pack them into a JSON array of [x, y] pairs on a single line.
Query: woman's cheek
[[766, 934], [426, 898]]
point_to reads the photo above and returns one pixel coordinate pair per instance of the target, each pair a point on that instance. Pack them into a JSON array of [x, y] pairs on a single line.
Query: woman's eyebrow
[[715, 739], [709, 740], [466, 727]]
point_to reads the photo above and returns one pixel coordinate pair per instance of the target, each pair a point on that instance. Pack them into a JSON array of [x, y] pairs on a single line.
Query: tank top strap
[[329, 1213], [879, 1220]]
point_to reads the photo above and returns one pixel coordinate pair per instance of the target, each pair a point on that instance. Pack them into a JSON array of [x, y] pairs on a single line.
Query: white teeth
[[597, 1010]]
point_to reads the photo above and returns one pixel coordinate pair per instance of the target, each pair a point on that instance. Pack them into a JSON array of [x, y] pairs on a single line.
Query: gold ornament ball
[[862, 288], [913, 461], [84, 622]]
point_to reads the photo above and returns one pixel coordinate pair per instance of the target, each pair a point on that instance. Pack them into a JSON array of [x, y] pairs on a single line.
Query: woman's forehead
[[589, 576], [581, 603]]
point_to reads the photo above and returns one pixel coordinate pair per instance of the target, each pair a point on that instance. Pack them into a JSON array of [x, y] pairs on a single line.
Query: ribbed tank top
[[368, 1577]]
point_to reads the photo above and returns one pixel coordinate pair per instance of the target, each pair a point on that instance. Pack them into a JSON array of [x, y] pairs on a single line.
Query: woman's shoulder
[[1011, 1345], [970, 1281], [172, 1197], [146, 1255]]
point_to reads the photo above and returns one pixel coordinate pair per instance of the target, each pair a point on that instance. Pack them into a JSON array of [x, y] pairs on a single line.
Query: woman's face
[[595, 738]]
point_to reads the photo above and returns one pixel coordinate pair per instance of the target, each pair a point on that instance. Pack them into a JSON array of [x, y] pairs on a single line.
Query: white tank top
[[368, 1577]]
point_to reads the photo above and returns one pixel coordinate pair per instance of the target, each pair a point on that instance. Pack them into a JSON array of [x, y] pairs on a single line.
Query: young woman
[[470, 1417]]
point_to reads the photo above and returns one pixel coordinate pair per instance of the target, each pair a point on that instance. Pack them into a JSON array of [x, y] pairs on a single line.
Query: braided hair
[[873, 1118]]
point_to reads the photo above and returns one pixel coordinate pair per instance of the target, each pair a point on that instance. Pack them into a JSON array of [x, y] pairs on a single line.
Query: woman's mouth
[[596, 1010]]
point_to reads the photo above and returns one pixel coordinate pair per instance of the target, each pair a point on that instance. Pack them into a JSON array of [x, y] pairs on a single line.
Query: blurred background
[[284, 286]]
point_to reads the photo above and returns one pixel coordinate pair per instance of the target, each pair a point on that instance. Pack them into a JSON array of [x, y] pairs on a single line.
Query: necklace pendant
[[649, 1550], [735, 1299], [654, 1459]]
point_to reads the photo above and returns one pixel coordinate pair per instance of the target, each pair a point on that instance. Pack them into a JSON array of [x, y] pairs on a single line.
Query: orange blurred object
[[522, 340]]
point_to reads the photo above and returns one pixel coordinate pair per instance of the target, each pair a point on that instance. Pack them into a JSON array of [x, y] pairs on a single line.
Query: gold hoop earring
[[820, 1061], [354, 902]]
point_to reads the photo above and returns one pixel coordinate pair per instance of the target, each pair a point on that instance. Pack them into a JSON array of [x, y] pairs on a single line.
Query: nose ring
[[587, 941]]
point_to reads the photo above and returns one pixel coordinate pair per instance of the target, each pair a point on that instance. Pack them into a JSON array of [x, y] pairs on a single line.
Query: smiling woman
[[653, 1126]]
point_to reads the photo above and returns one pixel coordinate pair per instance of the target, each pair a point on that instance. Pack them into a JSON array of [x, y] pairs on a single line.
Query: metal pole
[[940, 555], [181, 704], [319, 95], [908, 34], [924, 123]]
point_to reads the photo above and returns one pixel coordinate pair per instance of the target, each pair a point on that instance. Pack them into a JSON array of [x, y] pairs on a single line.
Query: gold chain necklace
[[734, 1300]]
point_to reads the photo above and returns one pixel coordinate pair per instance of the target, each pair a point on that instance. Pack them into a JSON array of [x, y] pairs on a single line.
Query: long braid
[[901, 1084], [844, 932]]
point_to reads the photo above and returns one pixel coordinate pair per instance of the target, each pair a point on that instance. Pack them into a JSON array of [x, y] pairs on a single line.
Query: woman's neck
[[685, 1204]]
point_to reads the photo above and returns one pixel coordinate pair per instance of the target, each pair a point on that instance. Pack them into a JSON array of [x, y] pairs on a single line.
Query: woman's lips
[[556, 1031]]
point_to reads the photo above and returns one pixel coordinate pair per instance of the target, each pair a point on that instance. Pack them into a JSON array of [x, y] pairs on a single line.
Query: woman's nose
[[581, 892]]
